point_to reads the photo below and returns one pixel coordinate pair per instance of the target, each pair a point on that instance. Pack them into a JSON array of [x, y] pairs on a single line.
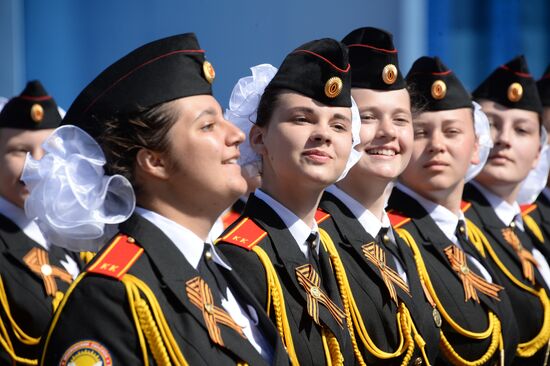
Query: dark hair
[[267, 105], [124, 135]]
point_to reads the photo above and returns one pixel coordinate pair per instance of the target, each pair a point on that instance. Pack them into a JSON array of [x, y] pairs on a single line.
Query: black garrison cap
[[373, 59], [512, 86], [33, 109], [435, 87], [318, 69], [158, 72]]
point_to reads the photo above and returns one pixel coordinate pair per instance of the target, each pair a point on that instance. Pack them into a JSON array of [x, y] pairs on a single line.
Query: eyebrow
[[341, 116], [209, 111]]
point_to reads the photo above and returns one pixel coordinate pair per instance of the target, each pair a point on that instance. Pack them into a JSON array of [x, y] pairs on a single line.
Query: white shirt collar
[[187, 242], [28, 226], [506, 212], [445, 219], [298, 228], [367, 219], [546, 192]]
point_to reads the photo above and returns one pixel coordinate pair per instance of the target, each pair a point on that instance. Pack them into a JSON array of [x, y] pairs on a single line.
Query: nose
[[501, 136], [386, 129], [436, 143], [321, 132], [234, 135]]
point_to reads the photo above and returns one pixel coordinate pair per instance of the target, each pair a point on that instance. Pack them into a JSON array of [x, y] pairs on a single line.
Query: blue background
[[66, 43]]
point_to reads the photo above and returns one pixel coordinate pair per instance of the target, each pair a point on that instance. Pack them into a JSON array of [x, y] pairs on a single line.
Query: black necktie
[[383, 239], [462, 237], [312, 242], [211, 273]]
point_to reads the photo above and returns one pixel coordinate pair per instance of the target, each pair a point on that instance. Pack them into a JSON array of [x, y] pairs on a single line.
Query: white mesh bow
[[484, 139], [536, 180], [75, 204]]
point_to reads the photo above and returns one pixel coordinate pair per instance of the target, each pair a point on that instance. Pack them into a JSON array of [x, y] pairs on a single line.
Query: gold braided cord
[[475, 235], [526, 349], [156, 330], [58, 313], [19, 333], [534, 227], [493, 329], [276, 297], [87, 257], [355, 321], [456, 359], [333, 354]]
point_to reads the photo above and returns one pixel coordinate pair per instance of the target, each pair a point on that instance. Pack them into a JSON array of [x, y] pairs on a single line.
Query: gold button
[[386, 239], [515, 92], [37, 113], [208, 255], [464, 269], [46, 269], [209, 72], [418, 361], [315, 292], [131, 240], [439, 89], [333, 87], [461, 229], [513, 224], [389, 74]]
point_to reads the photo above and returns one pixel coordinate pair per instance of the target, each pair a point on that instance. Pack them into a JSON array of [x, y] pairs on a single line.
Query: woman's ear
[[256, 138], [152, 163]]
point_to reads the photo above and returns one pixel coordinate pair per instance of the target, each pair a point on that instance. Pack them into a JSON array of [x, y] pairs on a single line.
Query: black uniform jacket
[[371, 294], [526, 307], [448, 286], [539, 211], [98, 309], [285, 256], [29, 304]]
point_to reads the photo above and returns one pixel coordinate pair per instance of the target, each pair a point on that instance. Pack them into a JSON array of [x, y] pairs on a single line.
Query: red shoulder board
[[245, 234], [321, 216], [117, 259], [397, 219], [230, 217], [464, 206], [527, 208]]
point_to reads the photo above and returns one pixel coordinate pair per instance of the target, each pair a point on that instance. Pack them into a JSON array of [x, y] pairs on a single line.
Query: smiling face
[[304, 143], [386, 134], [202, 154], [516, 139], [14, 146], [444, 147]]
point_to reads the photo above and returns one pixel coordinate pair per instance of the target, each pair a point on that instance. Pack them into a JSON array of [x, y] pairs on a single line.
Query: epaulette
[[464, 206], [527, 208], [229, 218], [321, 216], [246, 234], [396, 219], [117, 259]]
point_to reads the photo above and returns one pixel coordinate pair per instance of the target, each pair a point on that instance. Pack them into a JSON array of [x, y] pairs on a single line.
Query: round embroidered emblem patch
[[86, 353]]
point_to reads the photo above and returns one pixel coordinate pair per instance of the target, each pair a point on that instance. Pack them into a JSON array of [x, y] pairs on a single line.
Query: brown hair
[[267, 105], [123, 136]]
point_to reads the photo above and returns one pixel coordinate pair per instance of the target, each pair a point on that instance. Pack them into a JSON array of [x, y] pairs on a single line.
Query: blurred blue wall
[[66, 43]]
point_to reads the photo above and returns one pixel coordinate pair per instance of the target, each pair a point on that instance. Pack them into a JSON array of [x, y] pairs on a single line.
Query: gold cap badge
[[37, 113], [333, 87], [439, 89], [209, 72], [389, 74], [515, 92]]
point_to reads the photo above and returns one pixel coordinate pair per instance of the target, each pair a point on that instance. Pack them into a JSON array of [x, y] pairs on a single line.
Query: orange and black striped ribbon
[[470, 281], [377, 256], [38, 262], [310, 281], [200, 295], [526, 258]]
